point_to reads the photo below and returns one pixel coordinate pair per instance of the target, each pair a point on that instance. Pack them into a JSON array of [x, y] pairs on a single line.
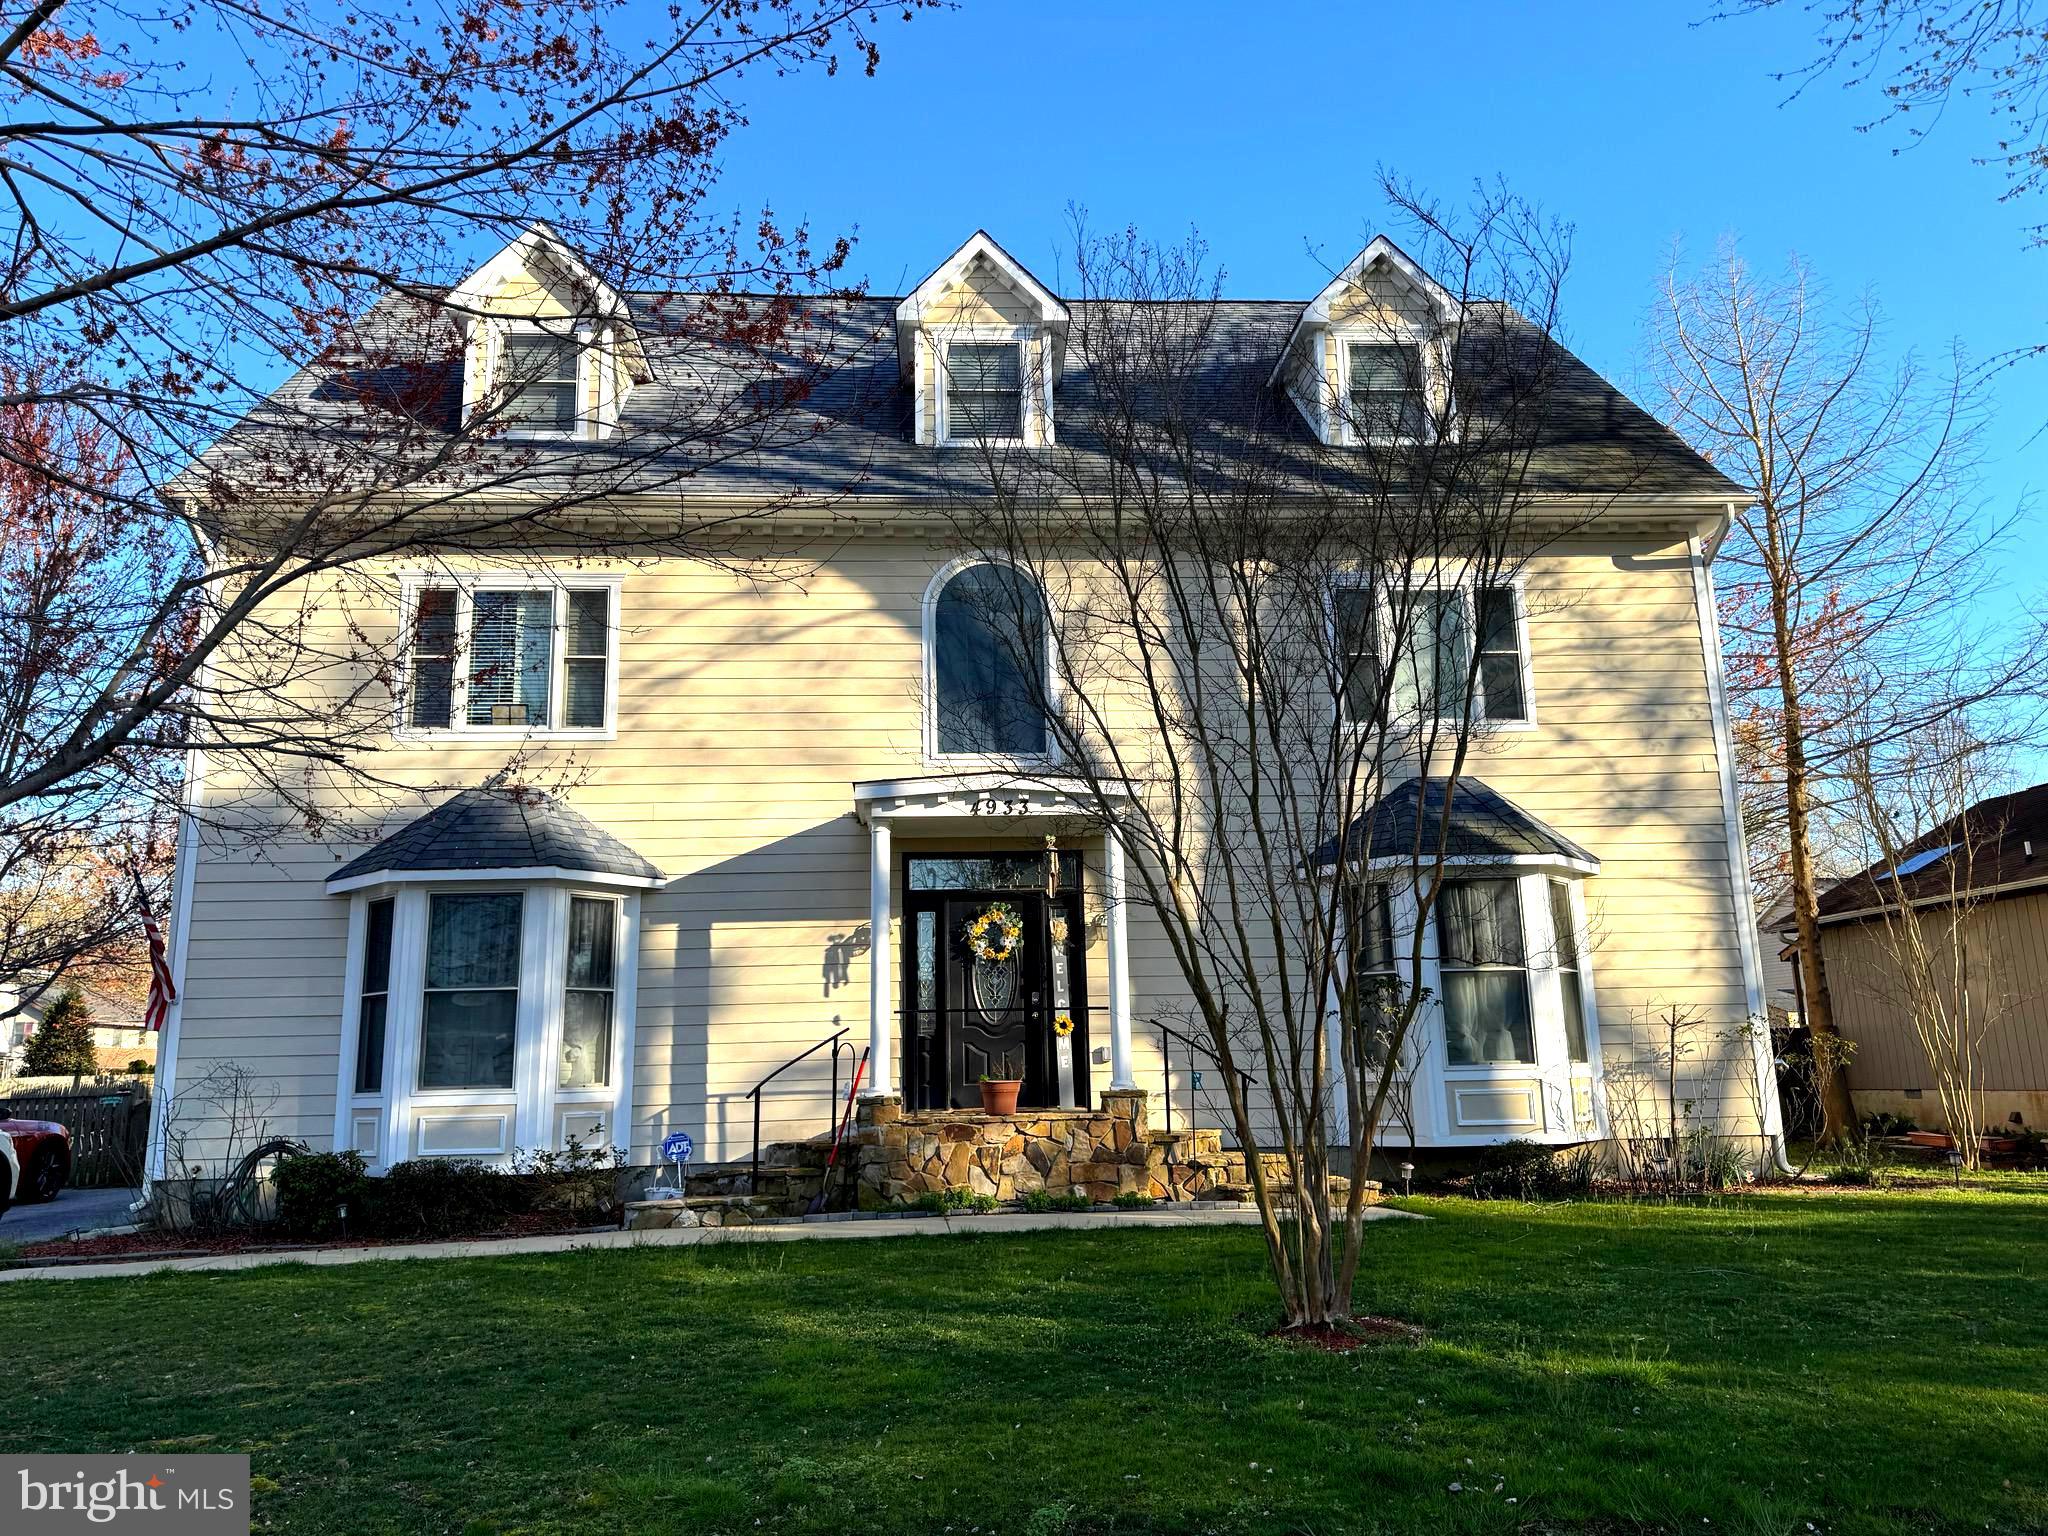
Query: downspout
[[1773, 1127]]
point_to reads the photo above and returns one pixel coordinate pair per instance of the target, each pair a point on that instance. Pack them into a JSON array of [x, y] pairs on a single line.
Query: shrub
[[938, 1202], [1133, 1200], [63, 1040], [140, 1068], [1527, 1170], [1884, 1123], [1040, 1201], [313, 1187]]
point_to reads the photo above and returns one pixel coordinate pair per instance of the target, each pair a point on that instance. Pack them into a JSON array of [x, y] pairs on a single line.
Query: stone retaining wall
[[898, 1155]]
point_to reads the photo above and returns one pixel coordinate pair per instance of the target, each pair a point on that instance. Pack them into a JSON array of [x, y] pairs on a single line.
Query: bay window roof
[[1483, 826], [497, 832]]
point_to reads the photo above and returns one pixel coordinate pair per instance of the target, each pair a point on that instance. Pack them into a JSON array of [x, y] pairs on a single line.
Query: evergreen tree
[[63, 1041]]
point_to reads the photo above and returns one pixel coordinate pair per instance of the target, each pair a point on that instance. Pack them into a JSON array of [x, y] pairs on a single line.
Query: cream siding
[[746, 713]]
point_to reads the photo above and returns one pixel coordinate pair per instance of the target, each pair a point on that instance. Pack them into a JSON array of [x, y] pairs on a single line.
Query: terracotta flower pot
[[1936, 1139], [999, 1095]]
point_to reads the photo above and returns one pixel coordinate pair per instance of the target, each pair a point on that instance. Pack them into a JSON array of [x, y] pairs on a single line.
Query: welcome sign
[[138, 1495]]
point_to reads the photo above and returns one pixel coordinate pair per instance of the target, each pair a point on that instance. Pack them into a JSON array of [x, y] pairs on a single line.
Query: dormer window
[[1370, 358], [1386, 391], [984, 391], [981, 343], [540, 377], [550, 349]]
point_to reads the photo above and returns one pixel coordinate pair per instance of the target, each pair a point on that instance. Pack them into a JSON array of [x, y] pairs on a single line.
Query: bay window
[[469, 1015], [511, 656], [1485, 970]]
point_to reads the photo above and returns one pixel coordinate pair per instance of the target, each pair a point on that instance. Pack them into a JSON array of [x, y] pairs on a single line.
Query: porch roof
[[1483, 826], [498, 832], [987, 799]]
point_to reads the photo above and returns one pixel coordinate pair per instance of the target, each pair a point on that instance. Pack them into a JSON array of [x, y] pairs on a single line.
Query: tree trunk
[[1838, 1110]]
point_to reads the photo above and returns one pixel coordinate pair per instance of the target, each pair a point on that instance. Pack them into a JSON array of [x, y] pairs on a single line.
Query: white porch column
[[881, 1000], [1119, 965]]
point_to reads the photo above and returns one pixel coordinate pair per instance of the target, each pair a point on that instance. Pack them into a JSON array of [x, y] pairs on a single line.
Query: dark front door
[[994, 1004], [965, 1015]]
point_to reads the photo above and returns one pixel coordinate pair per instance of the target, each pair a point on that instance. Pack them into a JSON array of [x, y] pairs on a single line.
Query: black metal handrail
[[1168, 1032], [837, 1041]]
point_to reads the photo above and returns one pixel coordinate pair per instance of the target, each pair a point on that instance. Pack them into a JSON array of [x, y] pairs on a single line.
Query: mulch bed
[[186, 1245], [1357, 1333]]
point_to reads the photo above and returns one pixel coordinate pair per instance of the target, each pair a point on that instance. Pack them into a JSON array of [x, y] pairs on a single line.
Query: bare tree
[[1934, 849], [1847, 603], [232, 359], [1920, 56], [1254, 638]]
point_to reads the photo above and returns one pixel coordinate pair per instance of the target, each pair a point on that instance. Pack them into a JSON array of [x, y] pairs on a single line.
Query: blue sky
[[1262, 125]]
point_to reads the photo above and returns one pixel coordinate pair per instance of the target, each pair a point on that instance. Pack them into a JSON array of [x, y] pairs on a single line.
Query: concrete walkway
[[74, 1210], [785, 1232]]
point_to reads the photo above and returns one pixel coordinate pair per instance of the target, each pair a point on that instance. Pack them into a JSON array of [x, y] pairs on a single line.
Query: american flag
[[162, 993]]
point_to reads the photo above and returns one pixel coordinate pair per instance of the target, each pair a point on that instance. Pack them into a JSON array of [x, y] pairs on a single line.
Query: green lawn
[[1863, 1363]]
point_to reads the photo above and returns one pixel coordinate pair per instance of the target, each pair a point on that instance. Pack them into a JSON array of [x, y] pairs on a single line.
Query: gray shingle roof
[[1408, 821], [477, 829], [849, 435]]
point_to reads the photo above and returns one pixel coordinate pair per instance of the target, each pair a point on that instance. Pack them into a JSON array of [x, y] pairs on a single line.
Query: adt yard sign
[[676, 1147]]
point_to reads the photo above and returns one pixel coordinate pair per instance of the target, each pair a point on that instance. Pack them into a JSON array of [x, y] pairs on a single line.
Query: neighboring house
[[119, 1035], [774, 834], [1992, 862]]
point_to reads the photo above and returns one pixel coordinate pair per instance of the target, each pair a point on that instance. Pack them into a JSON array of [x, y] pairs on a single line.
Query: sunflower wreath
[[995, 934]]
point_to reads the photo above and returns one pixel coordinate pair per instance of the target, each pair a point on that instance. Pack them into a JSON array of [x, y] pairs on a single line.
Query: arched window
[[988, 663]]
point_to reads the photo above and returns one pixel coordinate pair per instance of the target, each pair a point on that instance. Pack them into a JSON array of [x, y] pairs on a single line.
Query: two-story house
[[790, 798]]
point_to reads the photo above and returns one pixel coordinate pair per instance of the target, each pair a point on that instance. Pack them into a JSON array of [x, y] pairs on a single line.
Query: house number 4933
[[989, 805]]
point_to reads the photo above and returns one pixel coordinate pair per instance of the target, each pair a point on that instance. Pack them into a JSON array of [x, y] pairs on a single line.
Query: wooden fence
[[109, 1125]]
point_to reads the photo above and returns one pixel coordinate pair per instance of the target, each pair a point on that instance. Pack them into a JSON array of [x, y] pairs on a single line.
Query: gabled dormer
[[549, 348], [981, 342], [1369, 361]]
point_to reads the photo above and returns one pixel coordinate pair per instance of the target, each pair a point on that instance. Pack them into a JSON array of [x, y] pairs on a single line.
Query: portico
[[948, 849]]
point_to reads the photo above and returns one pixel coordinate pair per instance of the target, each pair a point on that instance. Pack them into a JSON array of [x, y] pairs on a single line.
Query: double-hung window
[[984, 391], [1386, 391], [1358, 650], [510, 657], [1485, 970], [1434, 632], [1376, 985], [1564, 945], [374, 1008], [470, 1015], [538, 373], [590, 984]]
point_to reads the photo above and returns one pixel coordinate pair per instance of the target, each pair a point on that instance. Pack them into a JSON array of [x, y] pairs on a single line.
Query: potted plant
[[999, 1088]]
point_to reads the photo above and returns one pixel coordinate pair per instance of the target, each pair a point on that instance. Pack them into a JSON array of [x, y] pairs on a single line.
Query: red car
[[42, 1150]]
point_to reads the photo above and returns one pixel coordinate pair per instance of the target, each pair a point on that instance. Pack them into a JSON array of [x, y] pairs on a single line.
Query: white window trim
[[591, 346], [1435, 1077], [1027, 412], [533, 1104], [1432, 347], [466, 586], [1383, 629], [958, 760]]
